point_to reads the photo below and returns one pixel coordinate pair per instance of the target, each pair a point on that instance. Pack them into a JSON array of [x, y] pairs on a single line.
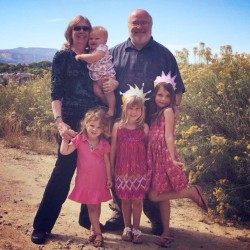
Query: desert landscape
[[23, 176]]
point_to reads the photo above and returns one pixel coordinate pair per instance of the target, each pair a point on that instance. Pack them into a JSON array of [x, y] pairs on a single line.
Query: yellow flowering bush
[[30, 105], [214, 140], [217, 140], [212, 134]]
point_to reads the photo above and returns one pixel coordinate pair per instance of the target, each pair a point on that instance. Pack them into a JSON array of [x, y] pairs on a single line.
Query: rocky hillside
[[26, 55]]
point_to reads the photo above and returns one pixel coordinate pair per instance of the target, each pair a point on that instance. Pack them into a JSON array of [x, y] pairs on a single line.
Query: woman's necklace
[[77, 51]]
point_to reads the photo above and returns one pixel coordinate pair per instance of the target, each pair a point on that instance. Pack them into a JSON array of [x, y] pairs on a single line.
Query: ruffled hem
[[87, 197]]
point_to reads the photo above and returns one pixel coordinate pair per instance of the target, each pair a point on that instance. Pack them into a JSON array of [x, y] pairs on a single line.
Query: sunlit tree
[[208, 55], [195, 50], [226, 52], [201, 52], [182, 56]]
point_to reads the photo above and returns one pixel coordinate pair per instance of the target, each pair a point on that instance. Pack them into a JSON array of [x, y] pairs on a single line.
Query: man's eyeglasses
[[84, 28], [140, 23]]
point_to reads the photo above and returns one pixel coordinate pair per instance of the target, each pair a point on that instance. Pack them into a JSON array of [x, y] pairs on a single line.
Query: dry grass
[[12, 128], [32, 143]]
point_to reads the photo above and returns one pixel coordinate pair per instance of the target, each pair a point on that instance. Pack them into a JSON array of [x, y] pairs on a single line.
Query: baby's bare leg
[[97, 88], [110, 97]]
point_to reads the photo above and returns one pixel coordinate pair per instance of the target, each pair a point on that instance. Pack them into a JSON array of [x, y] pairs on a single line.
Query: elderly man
[[136, 61]]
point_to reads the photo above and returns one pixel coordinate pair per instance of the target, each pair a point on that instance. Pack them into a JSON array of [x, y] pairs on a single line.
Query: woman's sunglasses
[[84, 28]]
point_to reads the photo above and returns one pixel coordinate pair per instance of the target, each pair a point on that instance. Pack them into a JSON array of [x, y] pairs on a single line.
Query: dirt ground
[[23, 176]]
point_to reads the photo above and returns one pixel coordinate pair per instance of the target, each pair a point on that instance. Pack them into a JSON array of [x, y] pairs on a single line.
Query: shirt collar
[[85, 139], [129, 44]]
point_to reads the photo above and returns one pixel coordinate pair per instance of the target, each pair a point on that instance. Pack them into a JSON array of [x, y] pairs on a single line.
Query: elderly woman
[[72, 96]]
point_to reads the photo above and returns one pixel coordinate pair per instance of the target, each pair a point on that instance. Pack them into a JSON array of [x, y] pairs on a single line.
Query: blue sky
[[177, 24]]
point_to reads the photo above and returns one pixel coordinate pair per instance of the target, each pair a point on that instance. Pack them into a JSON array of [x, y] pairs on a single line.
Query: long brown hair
[[155, 112], [68, 31]]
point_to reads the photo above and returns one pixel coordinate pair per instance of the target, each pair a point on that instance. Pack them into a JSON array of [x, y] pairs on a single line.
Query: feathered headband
[[165, 78], [135, 91]]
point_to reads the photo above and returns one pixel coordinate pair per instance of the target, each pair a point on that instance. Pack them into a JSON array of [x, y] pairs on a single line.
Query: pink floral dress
[[166, 176], [103, 67], [131, 171]]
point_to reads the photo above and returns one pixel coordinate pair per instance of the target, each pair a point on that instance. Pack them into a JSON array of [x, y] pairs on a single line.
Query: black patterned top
[[71, 84]]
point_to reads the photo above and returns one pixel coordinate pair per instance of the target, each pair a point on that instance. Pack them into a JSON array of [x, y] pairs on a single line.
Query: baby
[[100, 65]]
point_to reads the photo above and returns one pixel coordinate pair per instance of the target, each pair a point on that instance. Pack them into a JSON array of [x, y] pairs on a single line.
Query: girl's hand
[[109, 84], [179, 164], [65, 131], [109, 184]]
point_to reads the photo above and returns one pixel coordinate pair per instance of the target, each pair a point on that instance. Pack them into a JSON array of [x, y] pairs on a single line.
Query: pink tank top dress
[[131, 171]]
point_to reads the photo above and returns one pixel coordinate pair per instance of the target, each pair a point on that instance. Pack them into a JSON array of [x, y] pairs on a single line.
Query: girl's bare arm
[[169, 135], [113, 147], [66, 148], [108, 169]]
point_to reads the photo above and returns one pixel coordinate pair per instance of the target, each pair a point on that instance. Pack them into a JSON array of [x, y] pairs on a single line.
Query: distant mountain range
[[26, 55]]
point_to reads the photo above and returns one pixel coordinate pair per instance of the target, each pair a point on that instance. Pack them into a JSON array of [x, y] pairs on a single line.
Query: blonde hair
[[68, 31], [97, 114], [102, 30], [133, 101]]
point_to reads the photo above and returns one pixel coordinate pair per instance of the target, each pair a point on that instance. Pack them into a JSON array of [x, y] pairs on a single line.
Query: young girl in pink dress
[[128, 159], [93, 178], [168, 178]]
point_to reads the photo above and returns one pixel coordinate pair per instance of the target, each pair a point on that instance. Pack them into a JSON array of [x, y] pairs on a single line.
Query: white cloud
[[55, 20]]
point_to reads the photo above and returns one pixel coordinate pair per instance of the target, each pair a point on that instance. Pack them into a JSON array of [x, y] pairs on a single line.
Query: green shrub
[[28, 105], [213, 134]]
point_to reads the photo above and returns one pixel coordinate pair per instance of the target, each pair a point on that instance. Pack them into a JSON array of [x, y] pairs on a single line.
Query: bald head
[[140, 12], [140, 28]]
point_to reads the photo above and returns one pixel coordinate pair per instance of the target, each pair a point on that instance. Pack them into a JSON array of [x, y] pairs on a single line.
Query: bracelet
[[57, 117]]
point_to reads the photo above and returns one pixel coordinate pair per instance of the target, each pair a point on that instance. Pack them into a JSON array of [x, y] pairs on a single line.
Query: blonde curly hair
[[97, 114]]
